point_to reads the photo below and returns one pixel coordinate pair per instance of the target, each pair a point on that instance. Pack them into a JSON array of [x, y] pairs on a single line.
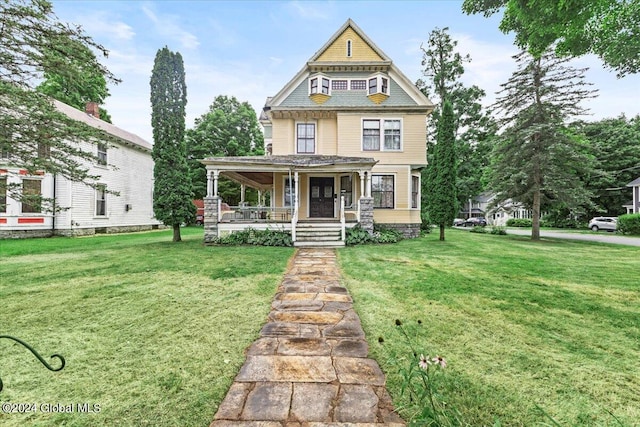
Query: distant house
[[634, 205], [345, 140], [484, 205], [85, 210]]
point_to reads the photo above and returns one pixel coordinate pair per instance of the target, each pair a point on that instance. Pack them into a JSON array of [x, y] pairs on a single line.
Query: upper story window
[[389, 131], [339, 85], [358, 85], [102, 154], [378, 84], [32, 196], [349, 48], [305, 138], [319, 84]]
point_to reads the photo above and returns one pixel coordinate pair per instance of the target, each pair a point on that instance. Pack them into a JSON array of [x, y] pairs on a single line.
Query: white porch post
[[362, 180], [209, 183], [243, 190], [216, 174], [296, 201], [368, 184]]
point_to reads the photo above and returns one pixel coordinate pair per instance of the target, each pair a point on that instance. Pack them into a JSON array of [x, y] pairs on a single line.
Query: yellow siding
[[388, 216], [319, 98], [327, 137], [283, 137], [414, 141], [360, 50]]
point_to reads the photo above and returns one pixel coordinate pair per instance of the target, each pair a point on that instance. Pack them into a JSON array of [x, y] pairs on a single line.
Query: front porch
[[305, 192]]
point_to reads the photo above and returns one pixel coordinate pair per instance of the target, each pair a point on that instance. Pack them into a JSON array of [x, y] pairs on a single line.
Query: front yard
[[154, 332], [553, 324]]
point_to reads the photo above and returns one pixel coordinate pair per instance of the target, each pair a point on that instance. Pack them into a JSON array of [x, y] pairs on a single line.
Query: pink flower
[[438, 360], [424, 362]]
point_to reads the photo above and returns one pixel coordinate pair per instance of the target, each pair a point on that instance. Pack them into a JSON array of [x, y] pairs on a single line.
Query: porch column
[[368, 184], [294, 218], [362, 180], [211, 207], [243, 190], [216, 174], [209, 183]]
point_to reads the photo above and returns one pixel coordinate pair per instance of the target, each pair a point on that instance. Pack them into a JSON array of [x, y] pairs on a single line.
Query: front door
[[321, 197]]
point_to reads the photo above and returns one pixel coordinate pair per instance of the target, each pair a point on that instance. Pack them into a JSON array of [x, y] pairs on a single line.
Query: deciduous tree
[[229, 128], [538, 161], [607, 28], [172, 196]]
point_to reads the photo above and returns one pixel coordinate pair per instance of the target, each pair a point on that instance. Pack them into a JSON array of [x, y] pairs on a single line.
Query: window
[[373, 85], [306, 138], [3, 194], [339, 85], [349, 48], [382, 191], [287, 193], [378, 84], [319, 84], [101, 201], [358, 85], [44, 150], [32, 196], [346, 189], [325, 86], [371, 135], [102, 154], [392, 134], [415, 191]]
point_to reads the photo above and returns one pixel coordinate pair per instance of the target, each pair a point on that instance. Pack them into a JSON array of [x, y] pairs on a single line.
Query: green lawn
[[554, 324], [152, 331]]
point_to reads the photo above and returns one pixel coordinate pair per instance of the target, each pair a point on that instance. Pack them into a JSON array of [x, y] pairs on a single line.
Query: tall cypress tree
[[442, 193], [172, 188]]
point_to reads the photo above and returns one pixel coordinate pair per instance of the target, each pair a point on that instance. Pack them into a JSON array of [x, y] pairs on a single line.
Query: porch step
[[318, 234]]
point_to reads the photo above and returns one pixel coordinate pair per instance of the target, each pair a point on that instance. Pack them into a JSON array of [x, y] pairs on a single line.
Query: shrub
[[501, 231], [478, 229], [629, 224], [518, 222], [381, 234], [256, 237], [357, 236]]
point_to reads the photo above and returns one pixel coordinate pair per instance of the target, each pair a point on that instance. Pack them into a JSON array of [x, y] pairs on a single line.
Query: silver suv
[[603, 223]]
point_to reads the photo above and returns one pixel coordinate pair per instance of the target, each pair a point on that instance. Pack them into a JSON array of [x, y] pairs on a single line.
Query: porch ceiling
[[257, 171]]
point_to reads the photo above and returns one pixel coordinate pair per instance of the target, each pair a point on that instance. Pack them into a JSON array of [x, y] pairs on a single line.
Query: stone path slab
[[309, 368]]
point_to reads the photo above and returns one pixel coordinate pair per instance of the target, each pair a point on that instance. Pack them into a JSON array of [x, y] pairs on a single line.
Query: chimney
[[93, 109]]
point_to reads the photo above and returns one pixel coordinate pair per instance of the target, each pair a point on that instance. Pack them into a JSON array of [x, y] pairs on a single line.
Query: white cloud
[[167, 26], [308, 10]]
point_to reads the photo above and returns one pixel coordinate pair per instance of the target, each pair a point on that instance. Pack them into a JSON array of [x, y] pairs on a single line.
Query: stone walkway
[[309, 367]]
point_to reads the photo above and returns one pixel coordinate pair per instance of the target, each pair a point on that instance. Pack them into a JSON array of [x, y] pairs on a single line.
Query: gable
[[360, 49]]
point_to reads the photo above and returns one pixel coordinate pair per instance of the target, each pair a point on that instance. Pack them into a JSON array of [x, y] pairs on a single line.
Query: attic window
[[349, 48], [319, 84], [378, 84]]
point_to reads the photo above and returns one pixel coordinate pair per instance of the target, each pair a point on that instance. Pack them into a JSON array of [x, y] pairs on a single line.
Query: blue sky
[[250, 49]]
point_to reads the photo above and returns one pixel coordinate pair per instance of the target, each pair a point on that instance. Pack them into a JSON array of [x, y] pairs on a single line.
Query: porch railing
[[255, 214], [342, 220]]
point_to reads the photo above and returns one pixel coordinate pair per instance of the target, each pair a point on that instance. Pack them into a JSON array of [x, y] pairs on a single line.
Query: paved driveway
[[601, 236]]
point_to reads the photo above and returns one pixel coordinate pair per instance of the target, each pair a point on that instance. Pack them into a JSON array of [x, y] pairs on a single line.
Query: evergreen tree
[[472, 127], [442, 195], [172, 196], [81, 83], [229, 128], [538, 161], [34, 135]]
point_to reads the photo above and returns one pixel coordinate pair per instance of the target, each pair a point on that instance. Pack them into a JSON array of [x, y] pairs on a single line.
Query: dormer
[[378, 88], [319, 88]]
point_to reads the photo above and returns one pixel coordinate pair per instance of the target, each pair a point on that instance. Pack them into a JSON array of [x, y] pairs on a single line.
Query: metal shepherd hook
[[35, 353]]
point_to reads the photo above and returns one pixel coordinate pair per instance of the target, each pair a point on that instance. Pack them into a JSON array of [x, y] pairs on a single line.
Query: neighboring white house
[[484, 205], [634, 205], [125, 167]]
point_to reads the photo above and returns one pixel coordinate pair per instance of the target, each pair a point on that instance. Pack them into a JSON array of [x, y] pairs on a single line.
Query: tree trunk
[[176, 233], [442, 232], [535, 212]]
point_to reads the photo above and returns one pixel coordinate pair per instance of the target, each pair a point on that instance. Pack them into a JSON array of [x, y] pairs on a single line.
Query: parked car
[[476, 221], [608, 223], [458, 222]]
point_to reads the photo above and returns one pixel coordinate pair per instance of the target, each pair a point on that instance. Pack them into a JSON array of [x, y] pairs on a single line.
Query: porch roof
[[257, 171]]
